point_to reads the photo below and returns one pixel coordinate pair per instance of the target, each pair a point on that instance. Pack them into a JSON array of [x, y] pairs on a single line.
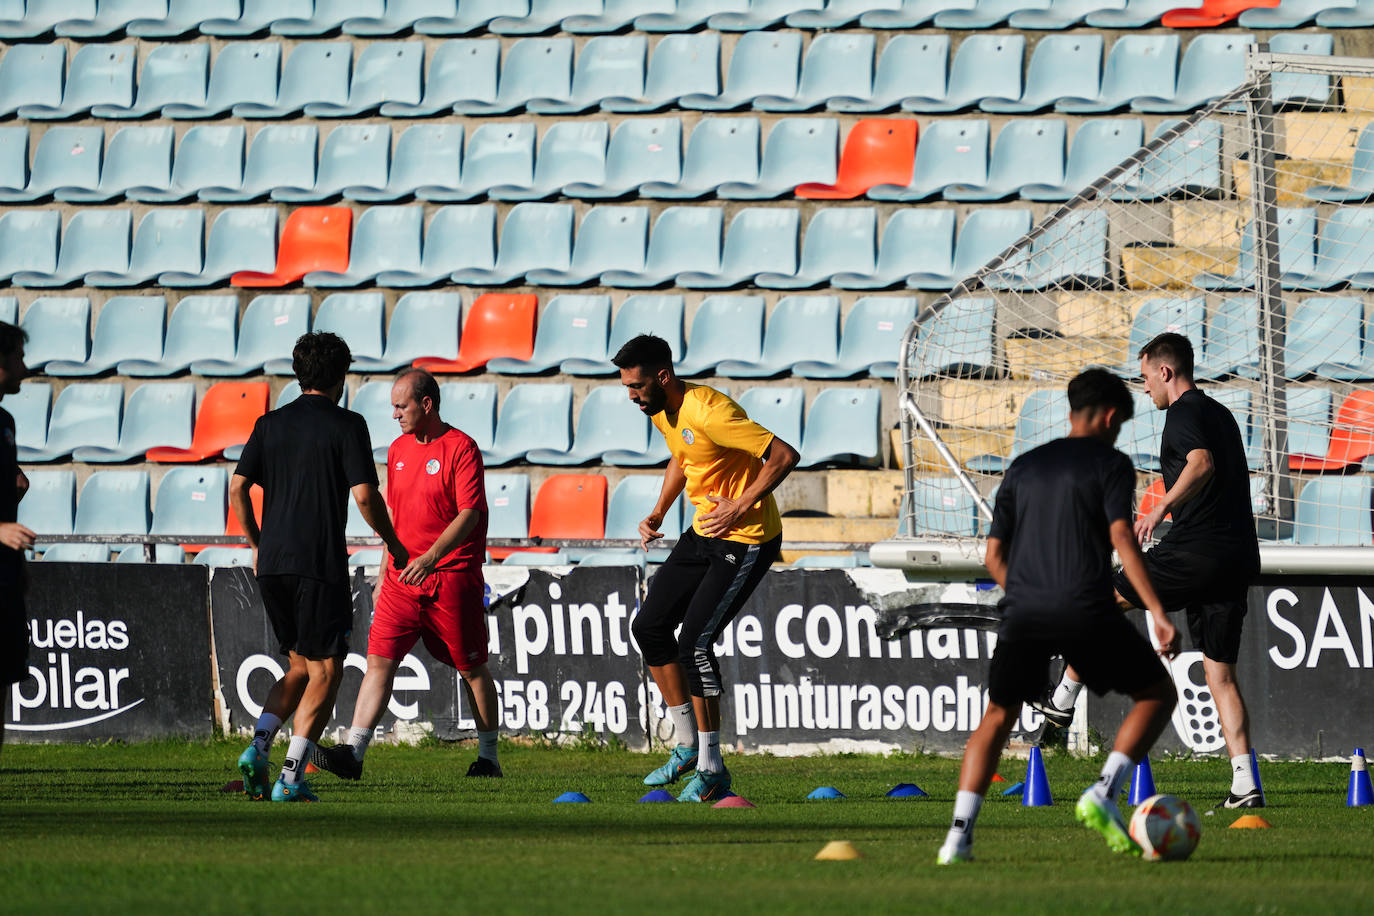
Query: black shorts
[[1108, 653], [14, 640], [310, 617], [1211, 589]]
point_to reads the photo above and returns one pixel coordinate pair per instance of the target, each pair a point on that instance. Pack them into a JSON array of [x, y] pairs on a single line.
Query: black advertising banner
[[117, 650]]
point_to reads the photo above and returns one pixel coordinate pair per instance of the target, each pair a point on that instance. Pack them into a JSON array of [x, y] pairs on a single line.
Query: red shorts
[[446, 611]]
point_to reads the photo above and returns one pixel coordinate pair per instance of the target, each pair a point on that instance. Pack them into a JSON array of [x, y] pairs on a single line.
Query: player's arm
[[1133, 565], [778, 461], [419, 568], [674, 481], [242, 504], [1197, 470], [996, 561], [373, 509]]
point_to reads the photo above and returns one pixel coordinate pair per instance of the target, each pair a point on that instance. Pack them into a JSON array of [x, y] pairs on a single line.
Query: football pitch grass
[[146, 828]]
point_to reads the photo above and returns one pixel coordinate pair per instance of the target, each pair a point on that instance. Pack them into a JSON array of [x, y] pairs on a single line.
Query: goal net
[[1246, 226]]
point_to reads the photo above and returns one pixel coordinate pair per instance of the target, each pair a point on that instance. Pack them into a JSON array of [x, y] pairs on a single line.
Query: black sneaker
[[484, 767], [338, 760], [1059, 718], [1251, 799]]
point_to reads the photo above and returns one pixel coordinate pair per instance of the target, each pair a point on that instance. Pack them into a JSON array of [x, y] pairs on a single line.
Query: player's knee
[[1162, 692], [655, 641]]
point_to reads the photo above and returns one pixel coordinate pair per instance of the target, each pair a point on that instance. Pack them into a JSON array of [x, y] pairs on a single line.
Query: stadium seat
[[171, 75], [209, 157], [1142, 434], [1136, 14], [167, 241], [459, 237], [1297, 231], [871, 341], [1156, 316], [1352, 436], [85, 414], [1334, 510], [128, 328], [1098, 145], [354, 156], [281, 156], [800, 328], [1344, 253], [31, 20], [241, 239], [719, 151], [58, 329], [615, 15], [9, 309], [228, 411], [31, 75], [49, 507], [570, 327], [470, 406], [94, 240], [610, 66], [257, 16], [1361, 184], [139, 158], [314, 238], [534, 416], [497, 155], [164, 553], [1232, 342], [837, 65], [762, 64], [723, 328], [28, 242], [984, 234], [316, 72], [1324, 337], [1291, 90], [290, 392], [956, 340], [543, 16], [633, 498], [419, 323], [113, 502], [271, 324], [1029, 151], [798, 151], [680, 65], [387, 71], [1210, 14], [534, 235], [201, 328], [683, 239], [1138, 66], [610, 238], [1212, 66], [1309, 421], [191, 501], [842, 427], [14, 161], [778, 410], [372, 401], [985, 66], [606, 420], [985, 14], [759, 241], [761, 14], [1072, 251], [508, 509], [838, 240], [952, 152], [662, 316], [359, 318], [243, 73], [688, 16], [99, 75], [497, 325], [1359, 15], [398, 16], [877, 151], [426, 156], [30, 408], [1059, 14], [1060, 67], [838, 13], [571, 151], [1190, 162], [910, 66], [156, 415], [1044, 416], [535, 556], [532, 68], [66, 158], [387, 238], [641, 151], [915, 240], [942, 506], [462, 69], [908, 14], [178, 18], [472, 16]]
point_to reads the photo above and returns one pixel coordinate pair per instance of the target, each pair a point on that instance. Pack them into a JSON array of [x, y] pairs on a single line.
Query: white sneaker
[[951, 855]]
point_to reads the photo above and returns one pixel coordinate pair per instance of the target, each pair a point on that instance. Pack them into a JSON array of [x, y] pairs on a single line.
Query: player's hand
[[723, 518], [648, 530], [1147, 523], [1166, 634], [15, 536], [418, 569]]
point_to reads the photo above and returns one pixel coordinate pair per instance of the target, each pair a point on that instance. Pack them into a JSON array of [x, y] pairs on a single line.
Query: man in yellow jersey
[[729, 466]]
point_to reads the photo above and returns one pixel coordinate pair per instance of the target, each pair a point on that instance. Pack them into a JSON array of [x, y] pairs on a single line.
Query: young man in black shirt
[[14, 537], [1060, 511], [308, 457], [1209, 556]]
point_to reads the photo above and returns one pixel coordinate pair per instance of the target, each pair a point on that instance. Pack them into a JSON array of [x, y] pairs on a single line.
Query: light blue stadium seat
[[359, 318], [1073, 250], [470, 406], [950, 154], [609, 239], [571, 151], [801, 328], [387, 71], [606, 420], [798, 150], [943, 506], [1044, 416], [543, 16], [30, 20], [1344, 253], [1137, 66], [616, 15], [508, 505], [838, 240], [58, 328], [683, 239], [1238, 401], [113, 502], [985, 14], [660, 315], [384, 238], [533, 68], [1212, 65], [167, 241], [458, 238], [222, 557], [257, 16], [1334, 510], [497, 155], [1141, 435], [1297, 231], [201, 328], [1299, 89], [956, 340], [281, 156], [760, 240], [723, 328], [837, 65], [838, 13], [533, 236], [719, 151], [910, 66], [326, 17], [164, 553], [1156, 316], [1060, 67], [66, 158], [290, 392], [191, 500], [354, 156], [156, 415], [77, 553], [243, 73], [909, 14], [1098, 145], [171, 75], [570, 327], [139, 158], [870, 343], [1360, 14], [85, 414], [128, 327], [50, 505], [777, 409], [530, 558], [9, 309], [242, 238], [916, 240], [762, 64], [688, 16], [1323, 338], [985, 66], [31, 75], [398, 16], [460, 70], [534, 416], [1309, 420], [1232, 343], [471, 16], [1190, 162], [761, 14], [316, 72], [640, 151], [1029, 151], [268, 331], [608, 67], [1060, 14], [99, 75], [31, 408], [179, 18], [373, 401], [631, 502], [680, 65], [1361, 184], [209, 156], [427, 155], [1291, 14], [14, 160], [842, 427], [1136, 14]]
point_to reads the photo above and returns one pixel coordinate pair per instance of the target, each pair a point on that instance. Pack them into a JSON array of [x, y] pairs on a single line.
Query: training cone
[[1251, 822], [1037, 791], [658, 795], [1254, 771], [576, 797], [826, 792], [1142, 783], [733, 801], [998, 777], [1014, 788], [838, 851], [906, 790], [1360, 791]]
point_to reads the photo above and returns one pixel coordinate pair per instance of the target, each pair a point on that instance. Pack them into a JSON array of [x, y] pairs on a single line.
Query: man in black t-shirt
[[1207, 559], [1060, 511], [14, 537], [308, 457]]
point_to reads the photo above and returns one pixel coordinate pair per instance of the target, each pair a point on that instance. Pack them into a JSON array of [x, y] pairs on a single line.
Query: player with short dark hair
[[729, 466], [1061, 509], [14, 537], [308, 457], [1205, 562]]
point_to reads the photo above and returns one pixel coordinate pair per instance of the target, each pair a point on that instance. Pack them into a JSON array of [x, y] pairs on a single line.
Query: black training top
[[1052, 514], [1218, 521], [307, 456], [10, 560]]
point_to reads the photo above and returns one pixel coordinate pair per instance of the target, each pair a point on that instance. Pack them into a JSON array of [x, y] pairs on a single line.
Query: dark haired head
[[1098, 389], [320, 360], [1173, 350], [11, 339], [422, 385], [644, 352]]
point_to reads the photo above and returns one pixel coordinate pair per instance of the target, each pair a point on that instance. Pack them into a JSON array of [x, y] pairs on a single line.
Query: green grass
[[145, 828]]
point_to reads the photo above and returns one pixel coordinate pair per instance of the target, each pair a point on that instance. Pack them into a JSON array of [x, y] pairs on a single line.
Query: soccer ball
[[1166, 828]]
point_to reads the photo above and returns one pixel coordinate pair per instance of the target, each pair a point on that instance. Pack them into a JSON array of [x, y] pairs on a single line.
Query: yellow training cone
[[838, 851], [1251, 821]]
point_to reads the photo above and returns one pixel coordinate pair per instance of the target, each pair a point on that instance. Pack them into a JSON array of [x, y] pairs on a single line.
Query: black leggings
[[702, 586]]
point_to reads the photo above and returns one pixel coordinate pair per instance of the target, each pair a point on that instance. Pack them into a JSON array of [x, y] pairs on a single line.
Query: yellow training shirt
[[720, 451]]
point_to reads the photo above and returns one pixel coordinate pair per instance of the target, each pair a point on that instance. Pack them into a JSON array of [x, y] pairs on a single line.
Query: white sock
[[486, 745], [1108, 785], [359, 739], [708, 753], [966, 808], [1242, 777], [298, 754], [265, 731], [684, 724], [1066, 694]]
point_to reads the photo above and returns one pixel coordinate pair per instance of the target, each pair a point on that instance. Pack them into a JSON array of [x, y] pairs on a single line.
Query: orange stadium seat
[[1352, 436], [1150, 498], [1211, 13], [877, 151], [569, 506], [227, 414], [499, 324], [314, 238]]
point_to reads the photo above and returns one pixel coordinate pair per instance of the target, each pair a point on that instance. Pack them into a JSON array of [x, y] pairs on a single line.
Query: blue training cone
[[906, 790], [658, 795], [1254, 772], [1037, 791], [1142, 782], [826, 792], [573, 797], [1360, 791]]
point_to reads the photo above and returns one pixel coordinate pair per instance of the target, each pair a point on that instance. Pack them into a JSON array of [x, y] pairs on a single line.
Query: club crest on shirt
[[688, 437], [432, 466], [400, 465]]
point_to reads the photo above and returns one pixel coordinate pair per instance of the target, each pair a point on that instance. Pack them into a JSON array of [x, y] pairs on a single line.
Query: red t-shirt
[[427, 486]]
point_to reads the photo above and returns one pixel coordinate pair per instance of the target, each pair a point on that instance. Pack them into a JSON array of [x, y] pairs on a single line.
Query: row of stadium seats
[[576, 334], [89, 422], [767, 71]]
